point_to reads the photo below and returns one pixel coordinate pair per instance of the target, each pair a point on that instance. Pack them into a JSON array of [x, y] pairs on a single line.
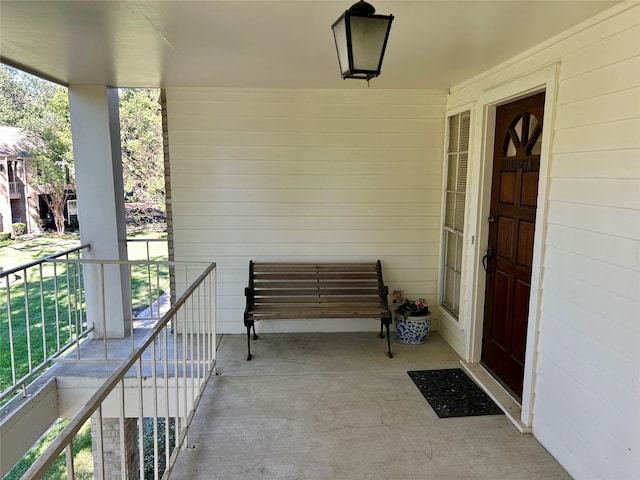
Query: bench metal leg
[[386, 323], [249, 341]]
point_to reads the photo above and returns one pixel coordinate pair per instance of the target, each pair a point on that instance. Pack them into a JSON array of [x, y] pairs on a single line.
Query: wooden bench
[[315, 290]]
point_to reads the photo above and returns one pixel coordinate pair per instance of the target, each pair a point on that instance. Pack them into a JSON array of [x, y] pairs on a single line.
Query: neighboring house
[[19, 195], [426, 180], [22, 197]]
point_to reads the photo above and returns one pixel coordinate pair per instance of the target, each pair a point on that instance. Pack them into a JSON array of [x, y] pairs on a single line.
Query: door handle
[[486, 258]]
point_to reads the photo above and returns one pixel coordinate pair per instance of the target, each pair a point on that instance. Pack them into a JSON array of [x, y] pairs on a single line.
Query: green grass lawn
[[32, 323]]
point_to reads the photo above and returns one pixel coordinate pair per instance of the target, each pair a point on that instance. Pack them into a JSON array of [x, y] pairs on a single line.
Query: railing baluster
[[103, 303], [71, 323], [100, 441], [140, 419], [56, 304], [43, 317], [10, 323], [25, 283], [71, 474], [165, 367], [154, 384], [133, 341], [124, 467]]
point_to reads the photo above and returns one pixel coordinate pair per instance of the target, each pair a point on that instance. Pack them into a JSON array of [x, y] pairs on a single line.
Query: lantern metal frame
[[360, 9]]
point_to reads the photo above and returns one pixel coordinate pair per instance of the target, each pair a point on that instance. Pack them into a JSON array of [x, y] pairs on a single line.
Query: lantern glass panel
[[340, 35], [368, 35]]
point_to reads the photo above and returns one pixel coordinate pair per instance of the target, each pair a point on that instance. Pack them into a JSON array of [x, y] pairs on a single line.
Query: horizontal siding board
[[622, 134], [284, 249], [587, 385], [304, 167], [608, 79], [597, 252], [624, 164], [314, 139], [285, 182], [200, 108], [615, 48], [318, 154], [616, 222], [615, 308], [583, 319], [622, 105], [255, 222], [315, 209], [621, 193], [618, 280], [295, 201], [345, 99], [613, 371], [301, 236], [250, 123], [606, 455]]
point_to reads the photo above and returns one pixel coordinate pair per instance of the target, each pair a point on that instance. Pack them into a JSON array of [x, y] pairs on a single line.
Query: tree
[[42, 107], [142, 153]]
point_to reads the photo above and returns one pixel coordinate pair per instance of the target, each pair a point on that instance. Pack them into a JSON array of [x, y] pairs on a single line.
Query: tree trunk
[[56, 202]]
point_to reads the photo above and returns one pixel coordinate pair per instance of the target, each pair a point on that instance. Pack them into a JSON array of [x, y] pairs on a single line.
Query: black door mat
[[451, 393]]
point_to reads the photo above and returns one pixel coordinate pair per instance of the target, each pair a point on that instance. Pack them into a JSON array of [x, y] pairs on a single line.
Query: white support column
[[95, 127]]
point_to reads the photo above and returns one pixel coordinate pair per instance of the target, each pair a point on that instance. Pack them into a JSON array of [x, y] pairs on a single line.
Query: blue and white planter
[[412, 330]]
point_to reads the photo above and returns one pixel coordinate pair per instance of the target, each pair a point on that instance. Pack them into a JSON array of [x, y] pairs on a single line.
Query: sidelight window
[[454, 207]]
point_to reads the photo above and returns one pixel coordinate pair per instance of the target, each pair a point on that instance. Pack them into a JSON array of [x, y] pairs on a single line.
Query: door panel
[[514, 192]]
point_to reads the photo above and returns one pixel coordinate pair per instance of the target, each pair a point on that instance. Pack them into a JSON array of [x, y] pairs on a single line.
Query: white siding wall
[[307, 175], [586, 410]]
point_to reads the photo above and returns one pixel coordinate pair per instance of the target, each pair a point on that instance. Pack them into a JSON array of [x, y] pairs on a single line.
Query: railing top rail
[[48, 258], [126, 262], [145, 240], [44, 461]]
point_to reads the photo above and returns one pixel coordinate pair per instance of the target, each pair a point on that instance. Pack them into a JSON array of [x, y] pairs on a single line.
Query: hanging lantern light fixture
[[361, 39]]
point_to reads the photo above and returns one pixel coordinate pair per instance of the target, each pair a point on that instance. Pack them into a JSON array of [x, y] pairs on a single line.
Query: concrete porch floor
[[333, 406]]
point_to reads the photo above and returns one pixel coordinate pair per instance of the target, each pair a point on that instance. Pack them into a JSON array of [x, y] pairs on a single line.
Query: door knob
[[491, 219]]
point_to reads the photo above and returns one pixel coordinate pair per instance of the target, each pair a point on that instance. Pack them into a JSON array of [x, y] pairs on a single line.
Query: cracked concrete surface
[[333, 406]]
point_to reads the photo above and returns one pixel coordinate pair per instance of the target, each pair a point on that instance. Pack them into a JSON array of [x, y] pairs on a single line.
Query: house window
[[454, 204]]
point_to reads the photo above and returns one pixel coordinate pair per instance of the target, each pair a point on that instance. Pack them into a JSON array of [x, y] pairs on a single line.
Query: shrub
[[18, 229], [5, 236]]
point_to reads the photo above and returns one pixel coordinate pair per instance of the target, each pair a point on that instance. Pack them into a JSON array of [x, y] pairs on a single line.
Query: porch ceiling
[[238, 43]]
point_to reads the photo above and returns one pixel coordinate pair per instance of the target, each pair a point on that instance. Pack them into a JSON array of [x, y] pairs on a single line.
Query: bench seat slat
[[295, 300], [330, 292], [313, 267], [311, 314], [327, 303], [314, 276], [314, 284]]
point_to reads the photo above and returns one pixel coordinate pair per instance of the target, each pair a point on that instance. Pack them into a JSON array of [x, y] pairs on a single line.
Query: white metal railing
[[42, 316], [47, 298], [162, 379]]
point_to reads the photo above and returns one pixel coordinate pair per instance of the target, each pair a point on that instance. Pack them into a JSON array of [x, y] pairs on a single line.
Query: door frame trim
[[483, 137]]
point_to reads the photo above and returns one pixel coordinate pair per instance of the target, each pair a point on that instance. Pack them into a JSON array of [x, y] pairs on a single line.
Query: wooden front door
[[514, 192]]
